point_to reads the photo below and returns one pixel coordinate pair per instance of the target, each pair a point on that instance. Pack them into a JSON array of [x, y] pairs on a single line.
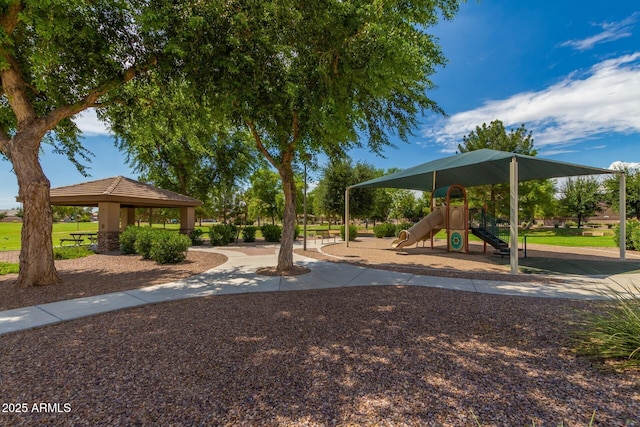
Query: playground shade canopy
[[479, 167]]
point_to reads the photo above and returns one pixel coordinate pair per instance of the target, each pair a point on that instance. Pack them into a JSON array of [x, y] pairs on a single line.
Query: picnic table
[[78, 237]]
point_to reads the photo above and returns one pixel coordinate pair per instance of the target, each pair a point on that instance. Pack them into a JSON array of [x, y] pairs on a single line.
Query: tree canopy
[[533, 194], [318, 76], [581, 197], [58, 58]]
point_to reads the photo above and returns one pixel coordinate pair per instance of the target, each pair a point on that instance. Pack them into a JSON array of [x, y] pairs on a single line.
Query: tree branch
[[9, 21], [259, 145], [91, 99]]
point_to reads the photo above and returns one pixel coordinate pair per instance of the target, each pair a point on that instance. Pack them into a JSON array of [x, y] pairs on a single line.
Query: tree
[[632, 185], [336, 176], [56, 60], [177, 143], [318, 76], [496, 197], [264, 190], [403, 204], [581, 197]]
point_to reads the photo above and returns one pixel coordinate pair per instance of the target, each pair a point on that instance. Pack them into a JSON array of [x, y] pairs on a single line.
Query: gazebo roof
[[119, 189]]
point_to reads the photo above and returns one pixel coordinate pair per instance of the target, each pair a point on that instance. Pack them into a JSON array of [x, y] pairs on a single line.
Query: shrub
[[402, 226], [144, 236], [128, 240], [168, 247], [71, 252], [9, 268], [222, 234], [615, 334], [353, 232], [570, 224], [296, 232], [249, 234], [196, 237], [384, 230], [272, 232], [631, 225]]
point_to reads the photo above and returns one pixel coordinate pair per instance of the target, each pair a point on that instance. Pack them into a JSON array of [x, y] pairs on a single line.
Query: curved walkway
[[237, 276]]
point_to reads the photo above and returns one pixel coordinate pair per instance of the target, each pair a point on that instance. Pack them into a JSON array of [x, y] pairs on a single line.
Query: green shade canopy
[[478, 167]]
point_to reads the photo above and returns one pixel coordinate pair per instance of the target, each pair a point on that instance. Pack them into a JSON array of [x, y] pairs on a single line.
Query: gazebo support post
[[513, 217], [127, 217], [187, 219], [108, 227]]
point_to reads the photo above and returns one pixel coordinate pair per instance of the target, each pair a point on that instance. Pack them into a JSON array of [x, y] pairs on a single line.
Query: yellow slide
[[434, 221]]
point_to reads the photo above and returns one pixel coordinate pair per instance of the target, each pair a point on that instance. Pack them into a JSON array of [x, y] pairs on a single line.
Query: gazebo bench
[[76, 241]]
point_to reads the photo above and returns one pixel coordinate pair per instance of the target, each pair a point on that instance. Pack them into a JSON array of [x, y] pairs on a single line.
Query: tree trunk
[[37, 267], [285, 256]]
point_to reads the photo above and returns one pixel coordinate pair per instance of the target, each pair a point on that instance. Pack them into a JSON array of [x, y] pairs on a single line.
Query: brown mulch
[[101, 274], [367, 356]]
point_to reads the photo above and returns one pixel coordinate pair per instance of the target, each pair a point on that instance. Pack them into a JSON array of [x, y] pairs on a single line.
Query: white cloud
[[88, 122], [611, 31], [582, 106], [620, 165]]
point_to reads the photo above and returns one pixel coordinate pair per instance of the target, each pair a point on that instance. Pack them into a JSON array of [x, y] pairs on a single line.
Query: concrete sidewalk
[[237, 276]]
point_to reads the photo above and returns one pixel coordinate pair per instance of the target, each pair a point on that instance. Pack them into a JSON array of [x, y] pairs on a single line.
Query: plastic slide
[[434, 221]]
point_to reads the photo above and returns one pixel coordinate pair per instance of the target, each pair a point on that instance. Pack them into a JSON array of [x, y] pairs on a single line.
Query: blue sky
[[569, 70]]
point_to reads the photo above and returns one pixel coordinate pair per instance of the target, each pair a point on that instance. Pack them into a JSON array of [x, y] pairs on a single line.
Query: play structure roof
[[126, 191], [478, 167]]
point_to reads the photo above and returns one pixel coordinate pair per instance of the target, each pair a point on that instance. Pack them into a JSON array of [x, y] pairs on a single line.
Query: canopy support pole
[[623, 217], [346, 217], [513, 217]]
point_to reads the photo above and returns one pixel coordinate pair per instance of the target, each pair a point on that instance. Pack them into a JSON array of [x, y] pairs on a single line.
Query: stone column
[[108, 227]]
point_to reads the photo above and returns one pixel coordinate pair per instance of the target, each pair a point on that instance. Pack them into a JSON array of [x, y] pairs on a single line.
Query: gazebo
[[487, 166], [116, 199]]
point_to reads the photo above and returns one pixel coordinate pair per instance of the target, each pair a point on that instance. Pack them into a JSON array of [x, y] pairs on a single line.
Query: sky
[[568, 70]]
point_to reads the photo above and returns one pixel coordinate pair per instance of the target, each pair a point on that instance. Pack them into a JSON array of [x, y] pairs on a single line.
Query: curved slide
[[432, 222]]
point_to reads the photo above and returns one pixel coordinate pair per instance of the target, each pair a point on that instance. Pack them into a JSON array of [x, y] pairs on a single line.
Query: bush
[[9, 268], [632, 241], [128, 240], [296, 232], [196, 237], [249, 234], [71, 252], [384, 230], [272, 232], [353, 232], [144, 237], [222, 234], [402, 226], [615, 334], [570, 224], [168, 247]]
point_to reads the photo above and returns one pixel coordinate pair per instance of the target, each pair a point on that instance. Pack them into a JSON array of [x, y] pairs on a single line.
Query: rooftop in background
[[126, 191]]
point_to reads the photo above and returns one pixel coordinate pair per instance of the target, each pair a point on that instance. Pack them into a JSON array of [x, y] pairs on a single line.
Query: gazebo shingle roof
[[126, 191]]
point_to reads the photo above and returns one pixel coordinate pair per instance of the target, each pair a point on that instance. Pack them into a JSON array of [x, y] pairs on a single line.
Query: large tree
[[581, 197], [496, 197], [318, 76], [179, 142], [632, 185], [58, 58], [335, 177]]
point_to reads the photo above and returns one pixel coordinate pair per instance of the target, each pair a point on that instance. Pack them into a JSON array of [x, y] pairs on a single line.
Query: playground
[[541, 259]]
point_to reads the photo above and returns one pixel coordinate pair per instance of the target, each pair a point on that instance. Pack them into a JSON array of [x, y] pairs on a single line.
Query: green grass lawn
[[10, 234]]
